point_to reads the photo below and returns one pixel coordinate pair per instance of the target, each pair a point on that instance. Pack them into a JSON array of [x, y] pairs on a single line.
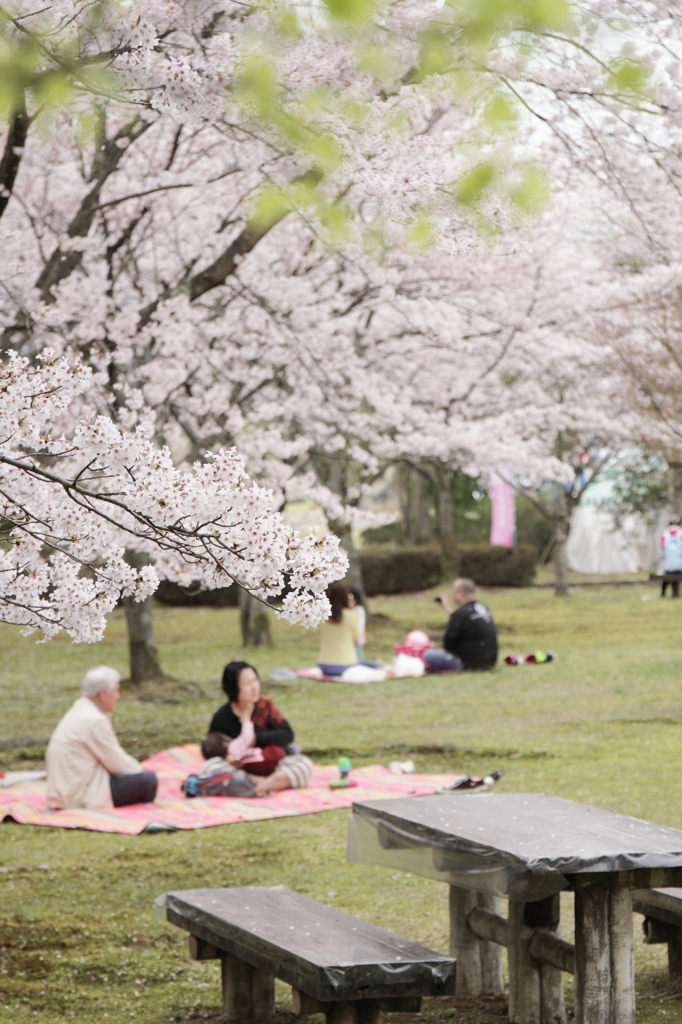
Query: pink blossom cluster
[[70, 505]]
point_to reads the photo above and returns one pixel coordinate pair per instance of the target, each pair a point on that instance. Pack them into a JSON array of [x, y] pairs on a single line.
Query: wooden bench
[[337, 965], [662, 909]]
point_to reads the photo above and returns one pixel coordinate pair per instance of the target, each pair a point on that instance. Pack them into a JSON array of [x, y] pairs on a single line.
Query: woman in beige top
[[339, 634]]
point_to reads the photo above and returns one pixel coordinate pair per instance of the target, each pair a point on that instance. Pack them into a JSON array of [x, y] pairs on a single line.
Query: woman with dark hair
[[339, 634], [257, 733]]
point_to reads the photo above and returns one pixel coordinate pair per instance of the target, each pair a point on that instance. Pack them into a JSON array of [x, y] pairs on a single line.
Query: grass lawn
[[602, 725]]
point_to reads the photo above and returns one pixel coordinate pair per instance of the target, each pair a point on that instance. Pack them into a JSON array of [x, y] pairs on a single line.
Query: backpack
[[672, 550], [236, 784]]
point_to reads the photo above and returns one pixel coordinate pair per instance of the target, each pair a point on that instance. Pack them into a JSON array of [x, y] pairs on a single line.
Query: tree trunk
[[446, 522], [255, 621], [561, 525], [422, 525], [675, 484], [354, 576], [143, 655], [405, 492]]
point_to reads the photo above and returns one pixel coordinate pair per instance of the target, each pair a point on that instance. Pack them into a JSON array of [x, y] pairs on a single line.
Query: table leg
[[545, 916], [604, 961], [464, 945], [479, 963], [524, 971], [622, 956], [492, 982]]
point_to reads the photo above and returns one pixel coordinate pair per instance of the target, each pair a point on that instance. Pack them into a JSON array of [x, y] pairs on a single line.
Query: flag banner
[[503, 508]]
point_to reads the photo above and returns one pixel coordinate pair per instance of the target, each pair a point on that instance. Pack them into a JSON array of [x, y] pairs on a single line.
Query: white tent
[[596, 545]]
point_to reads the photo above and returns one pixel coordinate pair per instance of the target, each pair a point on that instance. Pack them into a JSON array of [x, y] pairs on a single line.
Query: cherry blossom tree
[[80, 496], [181, 250]]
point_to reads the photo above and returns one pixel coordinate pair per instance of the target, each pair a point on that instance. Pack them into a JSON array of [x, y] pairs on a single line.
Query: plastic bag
[[404, 666]]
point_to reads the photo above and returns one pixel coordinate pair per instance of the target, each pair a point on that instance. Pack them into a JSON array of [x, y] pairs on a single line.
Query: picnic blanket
[[316, 673], [25, 802]]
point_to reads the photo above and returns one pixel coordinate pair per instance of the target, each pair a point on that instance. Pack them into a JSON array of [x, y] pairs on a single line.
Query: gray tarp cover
[[319, 950], [520, 844]]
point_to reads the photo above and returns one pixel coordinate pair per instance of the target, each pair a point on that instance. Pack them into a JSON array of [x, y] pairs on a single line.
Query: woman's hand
[[244, 712]]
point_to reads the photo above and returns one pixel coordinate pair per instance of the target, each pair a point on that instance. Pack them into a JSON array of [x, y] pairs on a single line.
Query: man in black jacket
[[470, 639]]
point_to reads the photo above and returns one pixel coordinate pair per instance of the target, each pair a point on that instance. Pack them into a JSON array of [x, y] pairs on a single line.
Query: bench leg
[[248, 994], [658, 932], [363, 1011], [675, 588], [675, 959]]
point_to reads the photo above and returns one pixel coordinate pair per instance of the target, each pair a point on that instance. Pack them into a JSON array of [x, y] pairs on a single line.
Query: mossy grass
[[602, 725]]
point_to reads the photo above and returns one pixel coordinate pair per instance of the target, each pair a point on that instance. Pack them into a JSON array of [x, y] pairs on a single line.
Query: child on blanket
[[275, 771]]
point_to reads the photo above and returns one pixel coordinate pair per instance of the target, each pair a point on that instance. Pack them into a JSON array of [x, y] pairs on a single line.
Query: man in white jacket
[[86, 765]]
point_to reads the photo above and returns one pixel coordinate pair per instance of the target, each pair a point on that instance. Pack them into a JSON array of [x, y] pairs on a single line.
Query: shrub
[[499, 567], [188, 597], [400, 570], [389, 533]]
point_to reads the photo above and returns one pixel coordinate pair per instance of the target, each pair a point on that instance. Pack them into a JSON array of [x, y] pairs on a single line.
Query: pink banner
[[503, 520]]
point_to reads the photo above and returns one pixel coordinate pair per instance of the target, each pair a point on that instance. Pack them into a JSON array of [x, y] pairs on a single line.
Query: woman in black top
[[242, 687]]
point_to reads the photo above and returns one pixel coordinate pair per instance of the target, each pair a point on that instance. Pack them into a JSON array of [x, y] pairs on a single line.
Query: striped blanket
[[25, 802]]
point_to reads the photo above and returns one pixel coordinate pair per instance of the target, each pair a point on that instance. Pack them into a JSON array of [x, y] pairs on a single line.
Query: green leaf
[[324, 152], [435, 55], [270, 205], [499, 112], [475, 183], [257, 84], [355, 112], [288, 25], [420, 232], [483, 20], [532, 192], [377, 60], [629, 75], [351, 12], [335, 219]]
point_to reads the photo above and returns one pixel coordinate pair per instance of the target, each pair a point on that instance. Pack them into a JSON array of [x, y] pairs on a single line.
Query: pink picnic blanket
[[25, 802]]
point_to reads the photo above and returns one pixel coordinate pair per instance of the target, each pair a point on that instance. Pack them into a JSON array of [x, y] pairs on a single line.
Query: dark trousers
[[133, 789]]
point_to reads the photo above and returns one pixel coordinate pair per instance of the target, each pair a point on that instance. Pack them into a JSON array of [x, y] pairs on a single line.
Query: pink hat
[[417, 638]]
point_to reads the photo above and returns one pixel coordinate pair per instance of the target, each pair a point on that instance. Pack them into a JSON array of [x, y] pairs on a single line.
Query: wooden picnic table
[[528, 847]]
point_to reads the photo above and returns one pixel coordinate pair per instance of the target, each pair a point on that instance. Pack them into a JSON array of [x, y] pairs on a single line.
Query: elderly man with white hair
[[86, 765]]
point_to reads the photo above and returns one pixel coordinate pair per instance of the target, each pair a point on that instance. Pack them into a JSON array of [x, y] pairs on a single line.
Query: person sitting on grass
[[86, 765], [340, 635], [250, 732], [357, 604], [470, 639]]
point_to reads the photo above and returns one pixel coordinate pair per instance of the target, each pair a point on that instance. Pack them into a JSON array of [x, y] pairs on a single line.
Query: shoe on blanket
[[471, 783]]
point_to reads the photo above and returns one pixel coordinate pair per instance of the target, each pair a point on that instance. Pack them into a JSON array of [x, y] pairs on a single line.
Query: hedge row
[[171, 593], [498, 567], [399, 571]]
